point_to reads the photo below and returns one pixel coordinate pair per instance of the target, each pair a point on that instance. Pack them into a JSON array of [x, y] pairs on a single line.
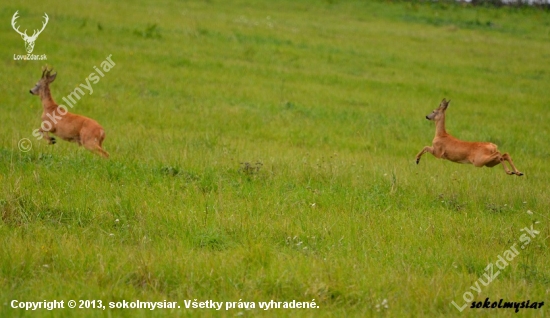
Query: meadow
[[265, 150]]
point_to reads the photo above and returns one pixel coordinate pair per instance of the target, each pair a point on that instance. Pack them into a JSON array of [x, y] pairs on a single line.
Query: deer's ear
[[444, 104], [51, 78]]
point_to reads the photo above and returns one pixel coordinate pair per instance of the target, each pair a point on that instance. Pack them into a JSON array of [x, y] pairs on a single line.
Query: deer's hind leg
[[491, 160], [95, 147], [506, 157], [93, 143], [101, 151]]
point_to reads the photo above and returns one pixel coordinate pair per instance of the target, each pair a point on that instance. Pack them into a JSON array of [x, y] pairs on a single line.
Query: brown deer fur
[[445, 146], [67, 126]]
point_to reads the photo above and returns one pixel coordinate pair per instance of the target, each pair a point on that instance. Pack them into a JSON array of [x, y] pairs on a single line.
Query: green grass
[[265, 151]]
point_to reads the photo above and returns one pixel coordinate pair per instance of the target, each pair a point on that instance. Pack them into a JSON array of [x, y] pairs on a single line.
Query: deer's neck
[[440, 127], [47, 101]]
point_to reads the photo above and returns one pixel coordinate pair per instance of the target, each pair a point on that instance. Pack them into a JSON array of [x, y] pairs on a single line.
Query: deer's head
[[44, 81], [439, 112], [29, 40]]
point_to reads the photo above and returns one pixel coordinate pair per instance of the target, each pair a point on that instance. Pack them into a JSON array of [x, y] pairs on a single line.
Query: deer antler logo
[[29, 40]]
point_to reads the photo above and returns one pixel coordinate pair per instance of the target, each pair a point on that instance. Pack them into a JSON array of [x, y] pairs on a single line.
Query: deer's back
[[461, 151]]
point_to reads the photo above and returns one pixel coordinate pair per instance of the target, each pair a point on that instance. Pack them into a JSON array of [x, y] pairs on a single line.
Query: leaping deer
[[445, 146], [70, 127], [29, 40]]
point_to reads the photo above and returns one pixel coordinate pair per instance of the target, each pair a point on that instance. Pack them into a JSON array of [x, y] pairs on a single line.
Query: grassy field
[[264, 150]]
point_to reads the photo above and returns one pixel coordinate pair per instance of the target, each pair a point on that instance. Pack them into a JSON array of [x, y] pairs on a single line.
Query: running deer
[[445, 146], [56, 119]]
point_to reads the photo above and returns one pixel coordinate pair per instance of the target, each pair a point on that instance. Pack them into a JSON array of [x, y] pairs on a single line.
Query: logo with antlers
[[29, 40]]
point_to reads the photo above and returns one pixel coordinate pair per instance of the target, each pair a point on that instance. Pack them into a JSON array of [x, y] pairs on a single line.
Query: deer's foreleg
[[423, 151], [46, 135]]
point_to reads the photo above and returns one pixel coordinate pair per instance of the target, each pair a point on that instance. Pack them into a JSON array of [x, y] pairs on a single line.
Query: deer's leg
[[46, 135], [102, 152], [506, 157], [95, 148], [491, 161], [506, 168], [99, 148], [423, 151], [94, 145]]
